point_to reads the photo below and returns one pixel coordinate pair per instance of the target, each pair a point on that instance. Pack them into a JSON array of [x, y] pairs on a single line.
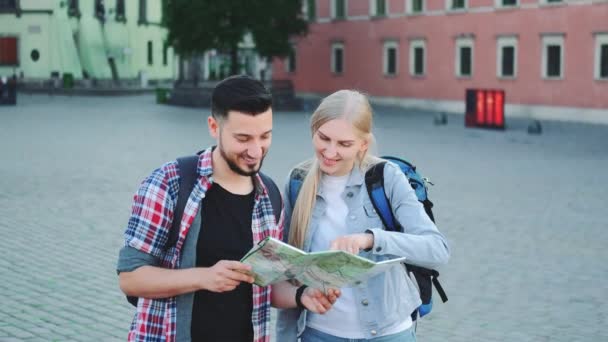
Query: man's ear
[[214, 127]]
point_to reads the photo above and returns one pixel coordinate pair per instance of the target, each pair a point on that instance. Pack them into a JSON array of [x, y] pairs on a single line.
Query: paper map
[[273, 260]]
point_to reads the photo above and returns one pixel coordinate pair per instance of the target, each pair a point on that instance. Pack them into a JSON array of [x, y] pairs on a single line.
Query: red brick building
[[550, 56]]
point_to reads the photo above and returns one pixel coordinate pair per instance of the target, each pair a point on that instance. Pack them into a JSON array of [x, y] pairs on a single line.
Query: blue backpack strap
[[296, 179], [374, 182], [275, 196]]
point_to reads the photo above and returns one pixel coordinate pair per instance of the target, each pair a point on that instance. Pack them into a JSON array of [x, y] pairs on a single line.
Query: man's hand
[[318, 302], [225, 275], [353, 243]]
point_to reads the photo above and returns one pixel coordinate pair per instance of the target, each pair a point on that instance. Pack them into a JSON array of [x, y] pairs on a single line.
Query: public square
[[525, 214]]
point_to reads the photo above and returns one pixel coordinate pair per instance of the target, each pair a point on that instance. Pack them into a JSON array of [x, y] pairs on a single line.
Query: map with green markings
[[273, 261]]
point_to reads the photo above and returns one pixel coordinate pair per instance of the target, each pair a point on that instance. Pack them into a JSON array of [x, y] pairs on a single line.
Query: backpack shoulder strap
[[187, 178], [275, 196], [187, 167], [296, 179], [374, 182]]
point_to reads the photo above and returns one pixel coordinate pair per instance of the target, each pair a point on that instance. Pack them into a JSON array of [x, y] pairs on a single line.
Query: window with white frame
[[309, 8], [456, 5], [415, 6], [506, 61], [378, 8], [601, 56], [390, 52], [506, 3], [464, 56], [417, 57], [553, 56], [337, 58], [290, 61], [338, 9]]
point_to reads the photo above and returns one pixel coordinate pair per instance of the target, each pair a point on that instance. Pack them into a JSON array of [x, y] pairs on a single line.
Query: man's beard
[[235, 168]]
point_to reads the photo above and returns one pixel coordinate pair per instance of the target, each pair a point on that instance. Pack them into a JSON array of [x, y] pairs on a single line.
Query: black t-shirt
[[225, 235]]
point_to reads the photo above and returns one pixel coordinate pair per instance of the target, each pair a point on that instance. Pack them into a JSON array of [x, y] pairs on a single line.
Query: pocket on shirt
[[373, 219]]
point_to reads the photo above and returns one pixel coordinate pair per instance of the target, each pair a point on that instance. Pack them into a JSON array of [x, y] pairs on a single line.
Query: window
[[290, 61], [553, 56], [418, 57], [100, 10], [601, 56], [548, 2], [506, 62], [150, 55], [8, 51], [337, 58], [8, 5], [378, 8], [506, 3], [165, 53], [415, 6], [311, 10], [464, 57], [120, 10], [456, 4], [73, 8], [143, 18], [390, 58], [338, 9]]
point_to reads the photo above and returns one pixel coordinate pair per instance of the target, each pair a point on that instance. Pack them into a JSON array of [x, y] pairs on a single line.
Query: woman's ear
[[364, 145]]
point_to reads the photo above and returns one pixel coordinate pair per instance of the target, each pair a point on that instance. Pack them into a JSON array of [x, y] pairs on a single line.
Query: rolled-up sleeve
[[151, 218]]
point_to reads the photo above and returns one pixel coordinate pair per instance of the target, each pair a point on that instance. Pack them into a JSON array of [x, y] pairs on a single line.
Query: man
[[197, 290]]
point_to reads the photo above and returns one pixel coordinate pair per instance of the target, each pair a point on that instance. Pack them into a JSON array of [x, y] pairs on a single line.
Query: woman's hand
[[318, 302], [353, 243]]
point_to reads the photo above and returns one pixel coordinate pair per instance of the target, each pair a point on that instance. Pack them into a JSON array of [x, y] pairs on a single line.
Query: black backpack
[[188, 174], [374, 182]]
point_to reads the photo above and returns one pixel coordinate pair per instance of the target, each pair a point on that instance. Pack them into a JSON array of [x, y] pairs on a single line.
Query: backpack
[[188, 174], [374, 182]]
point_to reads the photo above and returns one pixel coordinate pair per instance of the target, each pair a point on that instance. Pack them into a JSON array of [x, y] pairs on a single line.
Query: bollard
[[534, 127], [440, 119]]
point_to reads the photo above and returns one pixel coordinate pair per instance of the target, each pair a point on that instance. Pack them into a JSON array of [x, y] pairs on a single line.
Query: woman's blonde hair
[[354, 107]]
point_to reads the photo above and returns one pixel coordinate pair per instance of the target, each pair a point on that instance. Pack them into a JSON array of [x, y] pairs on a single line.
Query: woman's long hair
[[343, 104]]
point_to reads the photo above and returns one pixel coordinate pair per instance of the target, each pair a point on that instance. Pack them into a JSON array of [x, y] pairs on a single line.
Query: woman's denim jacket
[[389, 298]]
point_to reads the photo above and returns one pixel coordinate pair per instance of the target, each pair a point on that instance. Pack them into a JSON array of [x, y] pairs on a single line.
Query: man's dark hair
[[239, 93]]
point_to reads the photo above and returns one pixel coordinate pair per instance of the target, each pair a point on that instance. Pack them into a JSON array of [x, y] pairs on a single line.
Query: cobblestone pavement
[[525, 215]]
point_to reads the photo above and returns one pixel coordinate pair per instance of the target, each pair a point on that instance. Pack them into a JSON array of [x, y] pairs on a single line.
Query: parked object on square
[[485, 108], [8, 91], [68, 80], [162, 95], [440, 119], [535, 127]]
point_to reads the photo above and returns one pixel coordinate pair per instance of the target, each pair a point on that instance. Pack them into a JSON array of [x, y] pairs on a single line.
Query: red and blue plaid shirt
[[148, 231]]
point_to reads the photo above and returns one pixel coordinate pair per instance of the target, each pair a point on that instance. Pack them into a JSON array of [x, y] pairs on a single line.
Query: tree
[[197, 26]]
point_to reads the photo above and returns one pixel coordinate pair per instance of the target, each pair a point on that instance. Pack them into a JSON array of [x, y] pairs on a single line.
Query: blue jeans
[[312, 335]]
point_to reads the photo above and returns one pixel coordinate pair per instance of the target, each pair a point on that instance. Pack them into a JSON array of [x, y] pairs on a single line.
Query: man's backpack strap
[[188, 167], [374, 182], [274, 194]]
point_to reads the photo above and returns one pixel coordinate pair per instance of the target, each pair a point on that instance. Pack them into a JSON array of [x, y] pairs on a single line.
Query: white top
[[342, 319]]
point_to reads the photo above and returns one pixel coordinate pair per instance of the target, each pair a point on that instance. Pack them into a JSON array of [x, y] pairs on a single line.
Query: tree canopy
[[197, 26]]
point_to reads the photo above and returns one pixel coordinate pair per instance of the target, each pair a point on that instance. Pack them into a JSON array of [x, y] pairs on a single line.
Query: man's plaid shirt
[[148, 231]]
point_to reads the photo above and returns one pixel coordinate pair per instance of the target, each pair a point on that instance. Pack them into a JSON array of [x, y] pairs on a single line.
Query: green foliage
[[197, 26]]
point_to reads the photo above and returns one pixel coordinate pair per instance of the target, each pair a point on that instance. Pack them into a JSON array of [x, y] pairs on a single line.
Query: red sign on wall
[[485, 108]]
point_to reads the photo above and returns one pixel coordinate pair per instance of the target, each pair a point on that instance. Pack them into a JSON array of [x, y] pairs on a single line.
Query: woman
[[334, 211]]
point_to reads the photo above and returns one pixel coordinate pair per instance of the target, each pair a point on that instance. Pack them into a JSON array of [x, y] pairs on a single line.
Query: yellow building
[[114, 40]]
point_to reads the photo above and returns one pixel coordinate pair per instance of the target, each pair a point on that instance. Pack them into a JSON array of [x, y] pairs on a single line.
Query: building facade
[[89, 39], [549, 56]]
